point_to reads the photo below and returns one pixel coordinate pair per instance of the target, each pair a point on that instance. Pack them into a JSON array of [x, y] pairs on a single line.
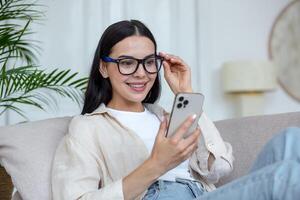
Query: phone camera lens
[[181, 98], [179, 105], [186, 102]]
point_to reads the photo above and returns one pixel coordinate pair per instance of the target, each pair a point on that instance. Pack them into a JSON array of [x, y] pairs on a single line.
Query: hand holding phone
[[184, 106]]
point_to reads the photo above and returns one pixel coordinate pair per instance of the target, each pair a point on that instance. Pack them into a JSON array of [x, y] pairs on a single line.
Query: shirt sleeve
[[211, 142], [76, 175]]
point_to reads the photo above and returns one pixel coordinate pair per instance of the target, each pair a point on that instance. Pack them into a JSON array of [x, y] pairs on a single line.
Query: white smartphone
[[185, 105]]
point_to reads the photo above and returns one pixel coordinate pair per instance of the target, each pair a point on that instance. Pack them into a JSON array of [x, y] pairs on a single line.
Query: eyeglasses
[[128, 65]]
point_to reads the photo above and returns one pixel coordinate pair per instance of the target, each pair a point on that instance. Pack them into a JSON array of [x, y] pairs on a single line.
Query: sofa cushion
[[26, 152], [248, 135]]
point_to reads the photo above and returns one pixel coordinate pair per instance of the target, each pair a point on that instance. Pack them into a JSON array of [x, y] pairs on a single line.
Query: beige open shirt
[[98, 148]]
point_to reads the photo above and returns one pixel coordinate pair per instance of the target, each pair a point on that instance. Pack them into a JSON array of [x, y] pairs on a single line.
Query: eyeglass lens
[[130, 65]]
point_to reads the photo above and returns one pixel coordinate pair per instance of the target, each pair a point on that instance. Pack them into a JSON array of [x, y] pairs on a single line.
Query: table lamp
[[248, 81]]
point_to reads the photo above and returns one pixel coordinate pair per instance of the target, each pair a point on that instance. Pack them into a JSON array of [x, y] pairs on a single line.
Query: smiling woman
[[123, 89], [118, 149]]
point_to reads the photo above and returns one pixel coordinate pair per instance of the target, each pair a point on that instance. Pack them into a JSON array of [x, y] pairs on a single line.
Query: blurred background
[[208, 34]]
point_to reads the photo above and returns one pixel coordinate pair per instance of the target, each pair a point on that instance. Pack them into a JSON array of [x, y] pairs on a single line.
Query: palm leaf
[[29, 84], [12, 45], [25, 80]]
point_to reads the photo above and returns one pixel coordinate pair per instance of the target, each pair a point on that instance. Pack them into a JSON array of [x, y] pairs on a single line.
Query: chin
[[137, 98]]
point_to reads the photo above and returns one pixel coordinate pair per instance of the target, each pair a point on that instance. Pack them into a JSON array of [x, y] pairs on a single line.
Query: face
[[129, 90]]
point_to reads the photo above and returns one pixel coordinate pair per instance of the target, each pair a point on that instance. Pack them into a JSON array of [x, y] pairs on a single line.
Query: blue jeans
[[274, 175], [180, 189]]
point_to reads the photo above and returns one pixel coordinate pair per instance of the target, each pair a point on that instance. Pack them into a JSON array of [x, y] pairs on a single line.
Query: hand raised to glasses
[[168, 152], [177, 73]]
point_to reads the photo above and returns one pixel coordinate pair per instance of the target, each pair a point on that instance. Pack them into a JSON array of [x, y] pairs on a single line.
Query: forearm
[[140, 179]]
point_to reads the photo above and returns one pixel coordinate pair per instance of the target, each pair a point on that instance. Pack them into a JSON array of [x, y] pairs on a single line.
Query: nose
[[140, 72]]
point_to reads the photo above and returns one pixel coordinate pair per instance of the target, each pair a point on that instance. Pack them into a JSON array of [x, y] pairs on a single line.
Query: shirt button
[[210, 144]]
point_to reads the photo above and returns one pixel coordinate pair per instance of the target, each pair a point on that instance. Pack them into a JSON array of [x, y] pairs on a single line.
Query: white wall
[[237, 30], [205, 33]]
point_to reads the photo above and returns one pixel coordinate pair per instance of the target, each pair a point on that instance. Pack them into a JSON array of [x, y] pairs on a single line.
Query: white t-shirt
[[146, 125]]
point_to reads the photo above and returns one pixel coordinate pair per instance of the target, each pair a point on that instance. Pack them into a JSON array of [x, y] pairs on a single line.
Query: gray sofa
[[26, 150]]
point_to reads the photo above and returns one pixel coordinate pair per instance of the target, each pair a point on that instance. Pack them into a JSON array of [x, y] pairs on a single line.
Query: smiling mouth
[[135, 85], [138, 87]]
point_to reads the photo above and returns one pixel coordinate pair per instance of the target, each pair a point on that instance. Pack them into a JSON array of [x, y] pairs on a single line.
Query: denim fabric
[[177, 190], [274, 175]]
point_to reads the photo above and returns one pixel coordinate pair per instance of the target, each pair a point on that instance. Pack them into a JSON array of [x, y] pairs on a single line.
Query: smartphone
[[185, 105]]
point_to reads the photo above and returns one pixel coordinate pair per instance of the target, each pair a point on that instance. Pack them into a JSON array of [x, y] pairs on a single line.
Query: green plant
[[21, 81]]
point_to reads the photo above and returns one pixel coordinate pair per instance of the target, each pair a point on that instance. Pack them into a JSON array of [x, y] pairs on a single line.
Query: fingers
[[189, 145], [172, 59], [192, 138], [189, 150], [167, 68], [183, 128]]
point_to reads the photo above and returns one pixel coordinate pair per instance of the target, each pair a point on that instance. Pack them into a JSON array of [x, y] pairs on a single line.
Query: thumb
[[162, 129]]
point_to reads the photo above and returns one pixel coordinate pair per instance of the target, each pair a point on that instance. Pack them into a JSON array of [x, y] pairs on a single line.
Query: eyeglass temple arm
[[108, 59]]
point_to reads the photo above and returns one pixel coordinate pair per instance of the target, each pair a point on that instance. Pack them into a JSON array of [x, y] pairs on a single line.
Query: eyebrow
[[126, 56]]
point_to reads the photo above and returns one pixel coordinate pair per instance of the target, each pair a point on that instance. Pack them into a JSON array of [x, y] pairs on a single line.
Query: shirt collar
[[154, 108]]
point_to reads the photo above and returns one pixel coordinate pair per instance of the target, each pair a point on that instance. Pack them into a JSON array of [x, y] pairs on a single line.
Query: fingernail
[[194, 116]]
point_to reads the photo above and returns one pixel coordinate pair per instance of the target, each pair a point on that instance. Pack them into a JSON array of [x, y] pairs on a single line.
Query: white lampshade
[[248, 76]]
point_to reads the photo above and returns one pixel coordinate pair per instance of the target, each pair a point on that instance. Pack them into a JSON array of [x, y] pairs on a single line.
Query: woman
[[117, 148]]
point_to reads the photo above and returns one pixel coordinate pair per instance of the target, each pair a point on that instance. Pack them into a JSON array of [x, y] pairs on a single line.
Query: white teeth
[[137, 85]]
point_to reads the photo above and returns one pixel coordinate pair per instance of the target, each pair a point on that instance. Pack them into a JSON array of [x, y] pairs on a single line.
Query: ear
[[103, 69]]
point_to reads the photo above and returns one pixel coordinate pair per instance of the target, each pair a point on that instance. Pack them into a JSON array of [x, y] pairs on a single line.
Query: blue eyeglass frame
[[140, 61]]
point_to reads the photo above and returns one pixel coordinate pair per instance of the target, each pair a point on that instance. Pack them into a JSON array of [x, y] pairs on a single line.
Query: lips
[[137, 87]]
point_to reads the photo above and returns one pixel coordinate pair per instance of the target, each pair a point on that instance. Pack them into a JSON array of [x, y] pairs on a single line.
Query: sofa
[[26, 150]]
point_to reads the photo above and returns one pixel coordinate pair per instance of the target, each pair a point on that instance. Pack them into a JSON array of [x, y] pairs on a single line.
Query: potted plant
[[22, 82]]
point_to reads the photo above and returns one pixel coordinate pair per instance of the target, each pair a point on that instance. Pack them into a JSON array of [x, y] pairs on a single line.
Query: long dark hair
[[99, 89]]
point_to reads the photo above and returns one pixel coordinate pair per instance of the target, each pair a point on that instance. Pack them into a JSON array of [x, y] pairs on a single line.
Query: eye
[[127, 62], [150, 61]]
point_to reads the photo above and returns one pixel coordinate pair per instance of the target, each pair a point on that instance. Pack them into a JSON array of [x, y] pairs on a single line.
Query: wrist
[[185, 90], [154, 168], [188, 90], [140, 179]]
